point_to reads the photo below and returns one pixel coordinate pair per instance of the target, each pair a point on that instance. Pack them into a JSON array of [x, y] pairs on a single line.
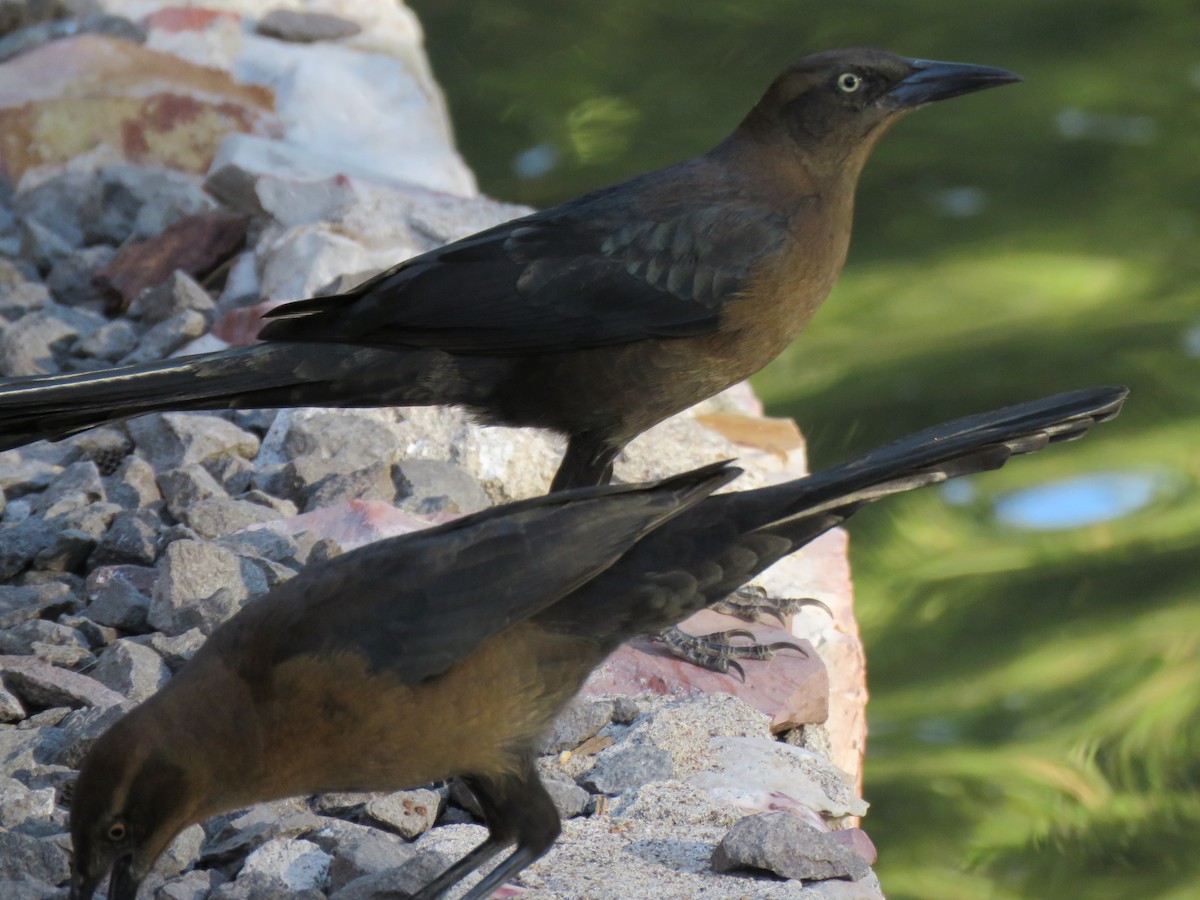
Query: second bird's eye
[[849, 82]]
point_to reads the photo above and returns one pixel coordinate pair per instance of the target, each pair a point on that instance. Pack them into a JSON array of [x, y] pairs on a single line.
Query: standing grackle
[[597, 318], [447, 652]]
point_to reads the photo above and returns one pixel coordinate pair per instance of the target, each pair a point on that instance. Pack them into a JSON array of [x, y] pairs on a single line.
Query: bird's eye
[[116, 832], [849, 82]]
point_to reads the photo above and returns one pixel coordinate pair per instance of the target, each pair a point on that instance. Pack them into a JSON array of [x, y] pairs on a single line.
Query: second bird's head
[[840, 102], [132, 797]]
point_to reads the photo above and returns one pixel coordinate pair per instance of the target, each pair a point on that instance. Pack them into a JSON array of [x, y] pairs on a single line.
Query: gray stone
[[193, 885], [408, 813], [93, 519], [216, 517], [357, 850], [298, 865], [11, 709], [35, 344], [159, 197], [781, 843], [245, 832], [79, 483], [283, 508], [134, 484], [399, 882], [19, 804], [26, 888], [625, 710], [569, 798], [81, 728], [131, 669], [428, 486], [169, 440], [578, 721], [24, 856], [66, 553], [305, 27], [70, 278], [21, 639], [178, 294], [174, 649], [117, 599], [18, 295], [371, 483], [234, 473], [61, 205], [628, 766], [180, 853], [262, 542], [94, 633], [132, 538], [200, 585], [110, 342], [260, 886], [19, 603], [355, 438], [27, 471], [187, 485], [40, 685], [167, 336]]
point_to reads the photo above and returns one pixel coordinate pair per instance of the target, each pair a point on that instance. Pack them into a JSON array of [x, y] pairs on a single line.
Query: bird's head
[[130, 801], [843, 100]]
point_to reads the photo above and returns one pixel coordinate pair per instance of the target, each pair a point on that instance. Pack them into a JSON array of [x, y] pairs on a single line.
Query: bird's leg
[[587, 463], [715, 652], [751, 602], [516, 808]]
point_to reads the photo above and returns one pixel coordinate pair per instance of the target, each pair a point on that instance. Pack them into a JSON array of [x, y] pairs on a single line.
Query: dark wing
[[414, 605], [646, 259]]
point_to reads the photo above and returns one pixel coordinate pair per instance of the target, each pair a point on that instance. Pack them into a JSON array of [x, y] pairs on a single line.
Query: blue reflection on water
[[1079, 501]]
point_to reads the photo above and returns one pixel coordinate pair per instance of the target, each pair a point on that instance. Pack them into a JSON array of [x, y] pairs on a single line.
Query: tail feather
[[718, 545], [263, 376]]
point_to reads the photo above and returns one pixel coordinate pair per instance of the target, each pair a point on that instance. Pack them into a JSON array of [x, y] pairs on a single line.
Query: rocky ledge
[[171, 173]]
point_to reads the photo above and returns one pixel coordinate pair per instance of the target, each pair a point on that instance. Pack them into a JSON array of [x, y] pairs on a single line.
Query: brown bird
[[448, 652], [597, 318]]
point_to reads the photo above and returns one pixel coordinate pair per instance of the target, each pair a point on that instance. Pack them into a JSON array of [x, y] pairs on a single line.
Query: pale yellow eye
[[849, 82]]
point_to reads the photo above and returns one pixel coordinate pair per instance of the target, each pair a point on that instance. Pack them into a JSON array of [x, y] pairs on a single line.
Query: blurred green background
[[1035, 712]]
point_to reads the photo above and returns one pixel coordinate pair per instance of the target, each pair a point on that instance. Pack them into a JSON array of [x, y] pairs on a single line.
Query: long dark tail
[[723, 542], [262, 376]]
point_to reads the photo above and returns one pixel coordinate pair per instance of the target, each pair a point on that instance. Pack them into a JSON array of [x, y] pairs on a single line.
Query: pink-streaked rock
[[186, 18], [355, 523], [791, 688], [77, 96]]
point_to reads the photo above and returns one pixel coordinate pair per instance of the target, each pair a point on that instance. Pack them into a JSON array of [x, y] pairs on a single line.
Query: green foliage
[[1035, 711]]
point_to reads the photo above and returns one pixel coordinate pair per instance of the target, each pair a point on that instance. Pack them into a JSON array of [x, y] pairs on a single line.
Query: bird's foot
[[714, 651], [751, 603]]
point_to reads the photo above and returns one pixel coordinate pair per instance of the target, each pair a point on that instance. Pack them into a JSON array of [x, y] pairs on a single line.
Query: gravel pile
[[122, 548]]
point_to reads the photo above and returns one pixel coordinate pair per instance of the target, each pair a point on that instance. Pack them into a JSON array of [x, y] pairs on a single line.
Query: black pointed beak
[[121, 883], [931, 81]]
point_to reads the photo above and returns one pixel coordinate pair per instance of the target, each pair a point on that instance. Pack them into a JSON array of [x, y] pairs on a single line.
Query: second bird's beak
[[931, 81], [121, 883]]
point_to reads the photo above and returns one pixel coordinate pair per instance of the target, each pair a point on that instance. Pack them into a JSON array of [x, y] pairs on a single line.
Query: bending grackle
[[447, 652], [595, 319]]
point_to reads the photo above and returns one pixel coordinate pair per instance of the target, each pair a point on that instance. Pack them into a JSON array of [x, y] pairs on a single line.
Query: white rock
[[298, 864], [759, 773]]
